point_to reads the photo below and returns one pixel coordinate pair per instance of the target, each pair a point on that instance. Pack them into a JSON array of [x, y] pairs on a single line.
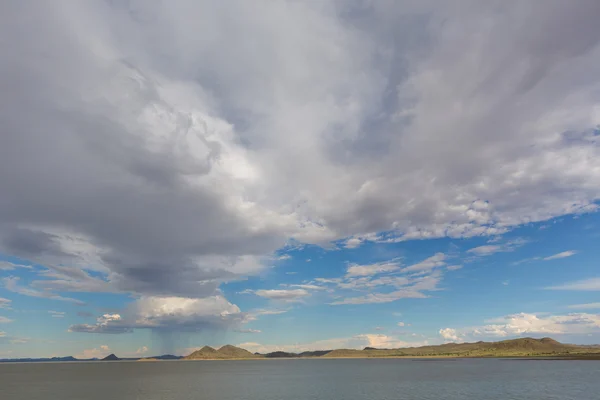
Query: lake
[[337, 379]]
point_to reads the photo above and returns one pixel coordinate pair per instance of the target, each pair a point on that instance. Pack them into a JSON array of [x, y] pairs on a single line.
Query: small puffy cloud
[[592, 284], [4, 320], [563, 254], [107, 323], [450, 335], [371, 269], [400, 323], [284, 257], [141, 350]]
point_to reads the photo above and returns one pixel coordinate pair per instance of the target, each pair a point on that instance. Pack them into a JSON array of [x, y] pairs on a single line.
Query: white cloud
[[372, 269], [4, 320], [142, 350], [454, 267], [400, 324], [531, 324], [592, 284], [564, 254], [5, 303], [290, 295], [488, 250], [437, 260], [8, 266], [450, 335], [168, 313], [377, 298], [248, 331], [100, 352], [11, 284], [312, 140], [57, 314], [587, 306]]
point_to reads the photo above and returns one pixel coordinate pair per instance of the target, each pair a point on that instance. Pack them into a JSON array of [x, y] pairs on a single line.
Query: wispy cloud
[[57, 314], [586, 306], [592, 284], [11, 284], [564, 254], [488, 250], [5, 320], [372, 269], [9, 266]]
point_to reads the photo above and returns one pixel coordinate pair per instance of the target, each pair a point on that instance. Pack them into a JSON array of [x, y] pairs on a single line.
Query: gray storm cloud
[[173, 146]]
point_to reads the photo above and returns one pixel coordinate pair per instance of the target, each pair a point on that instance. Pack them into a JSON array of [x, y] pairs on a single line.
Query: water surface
[[372, 379]]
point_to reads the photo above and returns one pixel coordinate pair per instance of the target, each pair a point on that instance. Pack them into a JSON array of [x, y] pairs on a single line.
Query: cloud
[[378, 298], [288, 295], [8, 266], [167, 314], [313, 140], [588, 306], [4, 320], [372, 269], [100, 352], [11, 284], [57, 314], [564, 254], [450, 335], [528, 324], [437, 260], [5, 303], [400, 324], [453, 267], [592, 284], [142, 350], [248, 331], [488, 250]]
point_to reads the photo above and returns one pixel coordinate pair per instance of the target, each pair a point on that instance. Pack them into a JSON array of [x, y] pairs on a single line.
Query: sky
[[297, 175]]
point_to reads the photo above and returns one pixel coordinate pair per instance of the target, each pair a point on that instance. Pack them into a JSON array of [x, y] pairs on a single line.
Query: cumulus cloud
[[169, 313], [528, 324], [591, 284], [564, 254], [450, 335], [185, 153]]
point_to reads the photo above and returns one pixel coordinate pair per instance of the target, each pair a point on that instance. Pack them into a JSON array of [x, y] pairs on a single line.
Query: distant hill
[[224, 353], [505, 348], [110, 357], [284, 354]]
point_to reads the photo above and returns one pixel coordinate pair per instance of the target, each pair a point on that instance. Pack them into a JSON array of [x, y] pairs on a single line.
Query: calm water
[[304, 379]]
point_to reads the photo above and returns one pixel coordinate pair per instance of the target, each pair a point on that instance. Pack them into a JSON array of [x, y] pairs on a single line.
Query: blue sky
[[297, 175], [521, 279]]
